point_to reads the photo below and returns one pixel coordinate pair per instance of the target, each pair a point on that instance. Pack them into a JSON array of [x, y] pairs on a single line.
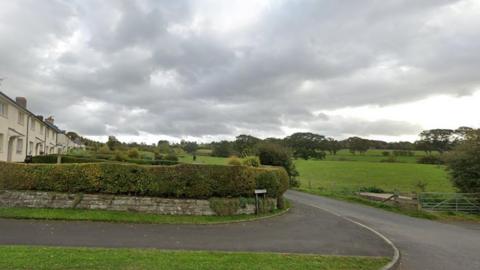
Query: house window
[[30, 148], [32, 126], [3, 109], [21, 118], [1, 143], [19, 146]]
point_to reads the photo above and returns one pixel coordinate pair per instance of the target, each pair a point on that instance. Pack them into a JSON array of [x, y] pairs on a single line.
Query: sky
[[208, 70]]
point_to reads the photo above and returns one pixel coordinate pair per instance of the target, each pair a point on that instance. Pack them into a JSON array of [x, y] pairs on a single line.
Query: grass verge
[[441, 216], [52, 258], [119, 216]]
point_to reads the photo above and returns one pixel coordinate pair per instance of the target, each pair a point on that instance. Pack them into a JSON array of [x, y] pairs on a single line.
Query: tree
[[189, 147], [306, 145], [245, 144], [356, 144], [463, 163], [277, 155], [163, 147], [113, 143], [222, 149], [440, 140], [332, 146]]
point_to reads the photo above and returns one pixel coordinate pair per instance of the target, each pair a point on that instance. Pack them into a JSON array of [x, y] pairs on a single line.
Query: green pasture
[[373, 155], [352, 175]]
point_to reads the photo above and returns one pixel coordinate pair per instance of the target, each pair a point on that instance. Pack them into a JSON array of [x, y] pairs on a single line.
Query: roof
[[52, 126]]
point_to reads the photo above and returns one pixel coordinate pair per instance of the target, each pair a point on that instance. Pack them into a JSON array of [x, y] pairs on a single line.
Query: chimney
[[50, 120], [21, 101]]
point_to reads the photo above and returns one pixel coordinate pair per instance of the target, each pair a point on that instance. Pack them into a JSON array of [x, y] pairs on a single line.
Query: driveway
[[423, 244], [305, 229]]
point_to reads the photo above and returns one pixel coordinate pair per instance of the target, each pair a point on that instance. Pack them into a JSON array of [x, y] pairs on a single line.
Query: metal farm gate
[[450, 202]]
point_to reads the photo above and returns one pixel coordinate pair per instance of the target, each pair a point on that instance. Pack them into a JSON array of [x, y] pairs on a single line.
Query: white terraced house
[[23, 133]]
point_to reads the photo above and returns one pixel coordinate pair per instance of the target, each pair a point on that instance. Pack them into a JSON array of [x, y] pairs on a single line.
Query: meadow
[[346, 172]]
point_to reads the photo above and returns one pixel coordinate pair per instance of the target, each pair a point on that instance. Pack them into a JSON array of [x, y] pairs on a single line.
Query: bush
[[120, 156], [386, 153], [251, 161], [234, 161], [431, 159], [133, 153], [463, 164], [276, 155], [180, 181], [171, 157], [225, 206], [104, 150]]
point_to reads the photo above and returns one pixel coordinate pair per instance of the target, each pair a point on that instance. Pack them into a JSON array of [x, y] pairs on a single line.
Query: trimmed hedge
[[179, 181], [52, 159]]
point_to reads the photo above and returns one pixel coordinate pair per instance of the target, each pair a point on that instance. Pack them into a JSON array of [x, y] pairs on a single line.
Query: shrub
[[133, 153], [180, 181], [120, 156], [386, 153], [171, 157], [251, 161], [463, 163], [276, 155], [234, 160], [104, 150], [431, 159], [225, 206]]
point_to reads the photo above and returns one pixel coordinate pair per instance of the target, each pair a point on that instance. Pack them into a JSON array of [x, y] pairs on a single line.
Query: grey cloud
[[297, 58]]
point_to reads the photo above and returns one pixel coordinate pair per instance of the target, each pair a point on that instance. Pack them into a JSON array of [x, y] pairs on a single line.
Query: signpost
[[257, 202]]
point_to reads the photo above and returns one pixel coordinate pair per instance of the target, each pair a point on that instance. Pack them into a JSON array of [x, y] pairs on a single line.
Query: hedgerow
[[179, 181]]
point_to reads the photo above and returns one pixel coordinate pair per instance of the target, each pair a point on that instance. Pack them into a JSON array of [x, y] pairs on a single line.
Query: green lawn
[[119, 216], [351, 175], [52, 258]]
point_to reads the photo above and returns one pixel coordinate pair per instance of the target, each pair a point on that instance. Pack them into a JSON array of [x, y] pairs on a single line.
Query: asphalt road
[[423, 244], [304, 229]]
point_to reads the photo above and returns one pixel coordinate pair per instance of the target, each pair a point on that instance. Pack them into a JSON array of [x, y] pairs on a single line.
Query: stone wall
[[167, 206]]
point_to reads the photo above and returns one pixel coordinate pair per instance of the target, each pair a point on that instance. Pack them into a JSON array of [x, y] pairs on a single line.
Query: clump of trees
[[463, 163]]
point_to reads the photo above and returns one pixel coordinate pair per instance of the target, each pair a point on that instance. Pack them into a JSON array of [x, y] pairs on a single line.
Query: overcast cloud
[[214, 69]]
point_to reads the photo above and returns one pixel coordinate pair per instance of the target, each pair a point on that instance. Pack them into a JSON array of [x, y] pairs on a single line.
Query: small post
[[257, 203]]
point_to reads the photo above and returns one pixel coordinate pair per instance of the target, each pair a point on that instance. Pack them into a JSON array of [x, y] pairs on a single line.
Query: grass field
[[351, 175], [373, 155], [204, 160], [119, 216], [52, 258]]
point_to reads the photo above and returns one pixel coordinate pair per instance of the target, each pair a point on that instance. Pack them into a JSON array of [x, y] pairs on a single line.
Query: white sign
[[260, 191]]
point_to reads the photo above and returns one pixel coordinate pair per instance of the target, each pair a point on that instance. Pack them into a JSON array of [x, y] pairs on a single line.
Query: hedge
[[52, 159], [65, 159], [178, 181]]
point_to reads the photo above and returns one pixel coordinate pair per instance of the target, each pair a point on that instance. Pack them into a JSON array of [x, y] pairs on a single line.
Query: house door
[[10, 148], [38, 149]]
